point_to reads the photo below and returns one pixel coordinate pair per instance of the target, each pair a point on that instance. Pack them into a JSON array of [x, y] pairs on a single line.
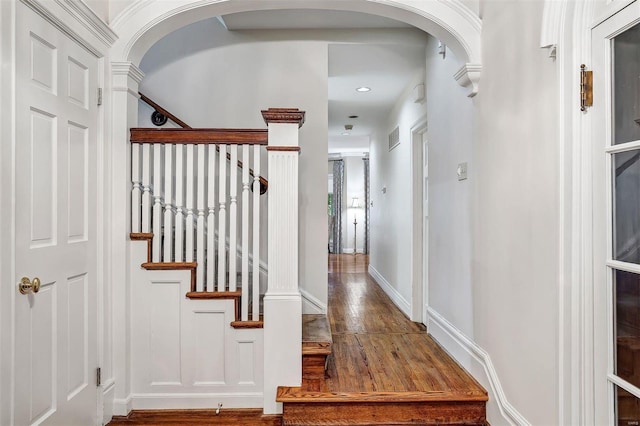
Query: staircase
[[199, 335]]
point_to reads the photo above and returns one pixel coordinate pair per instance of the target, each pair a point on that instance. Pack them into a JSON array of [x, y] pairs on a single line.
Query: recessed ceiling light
[[363, 89], [345, 133]]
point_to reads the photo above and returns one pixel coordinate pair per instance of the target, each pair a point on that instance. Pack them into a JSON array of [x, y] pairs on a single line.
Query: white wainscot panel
[[246, 358], [208, 346], [43, 325], [44, 66], [78, 182], [78, 85], [77, 332], [164, 332], [43, 177]]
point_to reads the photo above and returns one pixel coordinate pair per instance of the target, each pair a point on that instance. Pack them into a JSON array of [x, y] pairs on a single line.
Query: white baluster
[[146, 188], [189, 196], [255, 312], [136, 190], [168, 203], [157, 203], [222, 219], [200, 248], [244, 306], [233, 217], [179, 234], [211, 219]]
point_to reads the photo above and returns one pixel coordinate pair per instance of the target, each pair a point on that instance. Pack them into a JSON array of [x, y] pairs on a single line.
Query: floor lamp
[[355, 204]]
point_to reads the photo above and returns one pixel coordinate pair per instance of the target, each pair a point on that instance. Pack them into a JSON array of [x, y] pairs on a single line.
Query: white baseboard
[[447, 334], [393, 294], [157, 401], [122, 407], [312, 305]]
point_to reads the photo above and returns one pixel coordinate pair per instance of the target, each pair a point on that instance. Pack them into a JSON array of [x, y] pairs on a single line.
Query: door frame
[[82, 26], [567, 25], [419, 271]]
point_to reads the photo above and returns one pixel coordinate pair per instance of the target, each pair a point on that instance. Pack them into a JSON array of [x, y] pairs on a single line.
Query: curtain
[[338, 184], [366, 205]]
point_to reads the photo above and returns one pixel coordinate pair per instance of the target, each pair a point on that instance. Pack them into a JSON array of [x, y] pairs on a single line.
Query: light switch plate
[[462, 171]]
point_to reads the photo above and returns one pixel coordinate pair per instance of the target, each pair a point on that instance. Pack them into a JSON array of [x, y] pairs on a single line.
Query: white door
[[616, 216], [55, 229], [425, 226]]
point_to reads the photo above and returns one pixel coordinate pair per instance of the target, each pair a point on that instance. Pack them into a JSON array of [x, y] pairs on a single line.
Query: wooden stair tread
[[316, 335], [214, 294], [247, 324], [298, 395]]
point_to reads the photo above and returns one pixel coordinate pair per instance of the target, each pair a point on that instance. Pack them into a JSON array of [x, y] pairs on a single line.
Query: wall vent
[[394, 138]]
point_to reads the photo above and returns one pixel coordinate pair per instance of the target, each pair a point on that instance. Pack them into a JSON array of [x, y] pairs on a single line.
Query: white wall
[[391, 231], [210, 77], [450, 136], [516, 214]]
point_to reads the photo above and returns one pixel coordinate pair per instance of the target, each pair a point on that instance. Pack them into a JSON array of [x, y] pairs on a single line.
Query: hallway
[[375, 347]]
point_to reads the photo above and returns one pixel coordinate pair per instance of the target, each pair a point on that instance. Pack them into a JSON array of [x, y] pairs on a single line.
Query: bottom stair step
[[385, 408], [316, 345]]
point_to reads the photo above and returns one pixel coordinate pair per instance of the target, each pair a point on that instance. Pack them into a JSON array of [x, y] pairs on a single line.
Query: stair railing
[[192, 207], [164, 114]]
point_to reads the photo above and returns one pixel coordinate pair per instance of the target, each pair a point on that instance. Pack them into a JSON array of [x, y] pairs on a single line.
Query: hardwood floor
[[382, 360]]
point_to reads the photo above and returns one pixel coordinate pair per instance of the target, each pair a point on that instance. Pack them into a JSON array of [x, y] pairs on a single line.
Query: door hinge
[[99, 96], [586, 88], [98, 376]]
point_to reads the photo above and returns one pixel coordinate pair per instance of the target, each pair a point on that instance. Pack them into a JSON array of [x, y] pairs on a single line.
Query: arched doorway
[[143, 24]]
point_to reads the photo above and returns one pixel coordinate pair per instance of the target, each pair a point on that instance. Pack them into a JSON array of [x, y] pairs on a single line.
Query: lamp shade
[[355, 203]]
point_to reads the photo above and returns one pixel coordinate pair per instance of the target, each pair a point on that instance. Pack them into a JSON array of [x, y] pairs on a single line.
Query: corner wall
[[516, 209]]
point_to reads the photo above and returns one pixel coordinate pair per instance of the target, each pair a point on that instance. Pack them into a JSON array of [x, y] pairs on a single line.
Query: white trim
[[122, 407], [393, 294], [105, 408], [419, 285], [150, 401], [58, 23], [314, 304], [508, 411], [469, 76], [553, 18], [92, 22]]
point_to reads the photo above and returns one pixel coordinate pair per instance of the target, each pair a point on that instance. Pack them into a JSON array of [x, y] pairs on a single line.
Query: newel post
[[282, 302]]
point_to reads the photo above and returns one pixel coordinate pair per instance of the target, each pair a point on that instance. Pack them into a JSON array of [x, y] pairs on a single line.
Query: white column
[[282, 303], [116, 352]]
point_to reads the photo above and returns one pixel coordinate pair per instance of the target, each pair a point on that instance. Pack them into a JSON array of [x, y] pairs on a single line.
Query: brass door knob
[[26, 286]]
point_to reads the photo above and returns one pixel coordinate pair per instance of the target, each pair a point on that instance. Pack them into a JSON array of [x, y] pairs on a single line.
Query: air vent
[[394, 138]]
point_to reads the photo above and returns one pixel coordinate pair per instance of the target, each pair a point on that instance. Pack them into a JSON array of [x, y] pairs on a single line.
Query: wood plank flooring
[[376, 348], [381, 357]]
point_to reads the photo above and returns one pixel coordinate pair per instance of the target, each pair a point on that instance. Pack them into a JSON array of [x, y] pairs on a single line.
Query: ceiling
[[387, 67]]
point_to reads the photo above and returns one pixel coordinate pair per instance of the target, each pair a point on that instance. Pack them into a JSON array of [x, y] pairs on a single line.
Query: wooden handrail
[[194, 136]]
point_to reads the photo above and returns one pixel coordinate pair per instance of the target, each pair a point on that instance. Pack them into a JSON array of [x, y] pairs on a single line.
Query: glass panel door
[[622, 153]]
